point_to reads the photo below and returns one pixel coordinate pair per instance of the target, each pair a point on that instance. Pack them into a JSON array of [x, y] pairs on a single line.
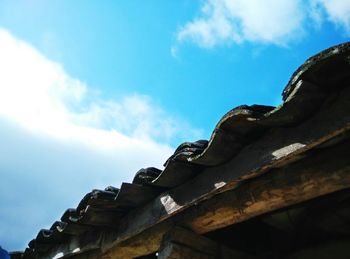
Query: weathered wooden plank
[[278, 148], [177, 251], [180, 243], [324, 172], [303, 180], [197, 245]]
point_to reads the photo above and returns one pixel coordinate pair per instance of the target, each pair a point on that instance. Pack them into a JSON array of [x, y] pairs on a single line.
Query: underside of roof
[[247, 143]]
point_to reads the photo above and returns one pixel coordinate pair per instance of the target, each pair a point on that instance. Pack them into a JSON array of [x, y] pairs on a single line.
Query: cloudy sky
[[91, 91]]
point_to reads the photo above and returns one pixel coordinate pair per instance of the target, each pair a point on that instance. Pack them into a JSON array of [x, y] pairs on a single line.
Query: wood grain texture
[[322, 172], [181, 243]]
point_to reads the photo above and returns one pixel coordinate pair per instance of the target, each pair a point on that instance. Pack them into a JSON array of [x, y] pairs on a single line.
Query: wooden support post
[[180, 243]]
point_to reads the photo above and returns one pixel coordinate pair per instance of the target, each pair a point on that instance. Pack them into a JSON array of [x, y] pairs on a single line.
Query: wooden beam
[[277, 149], [326, 171], [181, 243]]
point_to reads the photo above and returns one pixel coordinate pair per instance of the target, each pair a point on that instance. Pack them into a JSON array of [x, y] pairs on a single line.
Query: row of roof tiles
[[323, 73]]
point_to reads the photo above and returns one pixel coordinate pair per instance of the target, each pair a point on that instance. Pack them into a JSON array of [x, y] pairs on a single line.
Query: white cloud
[[276, 22], [225, 21], [337, 12], [59, 140], [41, 96]]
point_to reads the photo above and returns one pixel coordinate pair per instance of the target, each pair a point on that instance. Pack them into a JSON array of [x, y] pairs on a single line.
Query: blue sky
[[91, 91]]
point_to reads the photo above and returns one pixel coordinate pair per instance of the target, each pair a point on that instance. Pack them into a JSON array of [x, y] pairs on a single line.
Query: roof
[[233, 147]]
